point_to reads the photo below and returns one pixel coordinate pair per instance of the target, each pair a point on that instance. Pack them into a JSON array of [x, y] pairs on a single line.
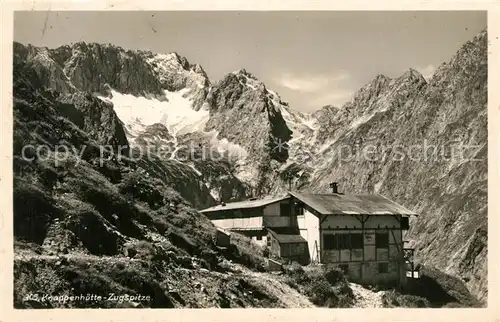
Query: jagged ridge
[[386, 113]]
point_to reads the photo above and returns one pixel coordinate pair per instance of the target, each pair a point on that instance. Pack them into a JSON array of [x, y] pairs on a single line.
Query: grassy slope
[[122, 227], [85, 228]]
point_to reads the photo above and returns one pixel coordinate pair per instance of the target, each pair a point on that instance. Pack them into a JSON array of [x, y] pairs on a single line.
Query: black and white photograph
[[250, 159]]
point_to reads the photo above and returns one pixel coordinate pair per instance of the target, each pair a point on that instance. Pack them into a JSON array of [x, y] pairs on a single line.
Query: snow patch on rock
[[176, 112]]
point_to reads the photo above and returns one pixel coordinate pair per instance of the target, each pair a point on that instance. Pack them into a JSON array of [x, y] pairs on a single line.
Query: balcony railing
[[409, 254]]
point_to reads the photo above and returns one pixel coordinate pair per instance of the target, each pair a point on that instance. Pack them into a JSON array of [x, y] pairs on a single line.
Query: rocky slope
[[244, 112], [421, 143], [91, 225], [160, 98], [92, 67]]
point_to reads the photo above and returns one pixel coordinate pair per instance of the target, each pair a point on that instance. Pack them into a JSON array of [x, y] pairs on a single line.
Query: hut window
[[259, 237], [329, 241], [383, 268], [285, 209], [337, 241], [382, 240], [405, 223], [356, 241], [299, 211], [343, 241]]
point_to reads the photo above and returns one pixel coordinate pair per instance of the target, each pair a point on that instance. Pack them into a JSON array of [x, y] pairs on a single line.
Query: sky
[[310, 58]]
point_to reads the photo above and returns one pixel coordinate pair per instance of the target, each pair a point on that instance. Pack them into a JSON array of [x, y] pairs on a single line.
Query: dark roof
[[247, 204], [363, 204], [286, 237]]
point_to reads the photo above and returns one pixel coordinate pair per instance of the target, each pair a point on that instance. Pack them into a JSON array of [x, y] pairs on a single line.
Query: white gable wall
[[341, 221], [382, 221], [363, 263], [309, 229], [309, 225]]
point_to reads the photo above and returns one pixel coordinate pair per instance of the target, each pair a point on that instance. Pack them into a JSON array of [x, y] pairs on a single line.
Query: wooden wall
[[272, 210], [238, 223], [273, 216], [289, 251], [293, 249], [363, 263]]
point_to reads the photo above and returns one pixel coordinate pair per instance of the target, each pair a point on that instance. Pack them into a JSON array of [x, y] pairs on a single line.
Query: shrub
[[95, 232], [396, 299], [34, 210], [440, 288], [243, 251], [324, 286], [137, 186], [106, 199], [141, 249], [321, 293], [334, 276]]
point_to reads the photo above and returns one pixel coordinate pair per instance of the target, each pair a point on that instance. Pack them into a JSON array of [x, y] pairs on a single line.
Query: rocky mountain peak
[[244, 112], [244, 72], [47, 69], [448, 191], [175, 73], [412, 76], [275, 145], [25, 52], [374, 87], [469, 56], [181, 59], [90, 66], [197, 68]]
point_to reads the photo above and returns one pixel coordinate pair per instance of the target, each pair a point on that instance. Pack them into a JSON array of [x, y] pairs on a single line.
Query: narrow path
[[290, 297], [273, 284]]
